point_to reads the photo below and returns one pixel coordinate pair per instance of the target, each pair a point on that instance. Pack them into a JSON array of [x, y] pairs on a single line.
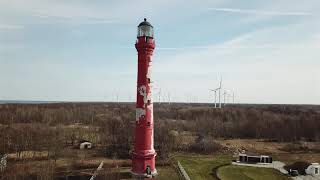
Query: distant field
[[290, 158], [232, 172], [203, 167]]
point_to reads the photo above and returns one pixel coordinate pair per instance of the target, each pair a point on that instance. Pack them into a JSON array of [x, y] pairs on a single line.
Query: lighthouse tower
[[143, 156]]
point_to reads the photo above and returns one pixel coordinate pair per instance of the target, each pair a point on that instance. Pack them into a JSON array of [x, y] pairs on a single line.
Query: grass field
[[166, 173], [203, 167], [232, 172]]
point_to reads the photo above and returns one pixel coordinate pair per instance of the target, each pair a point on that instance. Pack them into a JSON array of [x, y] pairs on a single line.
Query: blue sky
[[81, 50]]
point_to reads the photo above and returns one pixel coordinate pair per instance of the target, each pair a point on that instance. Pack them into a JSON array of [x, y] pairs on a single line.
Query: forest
[[52, 128]]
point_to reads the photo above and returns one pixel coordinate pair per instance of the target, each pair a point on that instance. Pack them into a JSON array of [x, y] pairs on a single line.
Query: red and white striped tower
[[143, 156]]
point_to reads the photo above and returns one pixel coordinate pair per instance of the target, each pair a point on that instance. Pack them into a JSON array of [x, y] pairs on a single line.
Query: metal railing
[[183, 171], [96, 172]]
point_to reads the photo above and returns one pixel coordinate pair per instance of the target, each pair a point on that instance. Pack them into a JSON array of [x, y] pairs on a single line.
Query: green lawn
[[232, 172], [204, 167], [166, 173]]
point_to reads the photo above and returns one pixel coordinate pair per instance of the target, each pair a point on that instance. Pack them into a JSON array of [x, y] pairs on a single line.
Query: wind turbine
[[224, 98], [229, 96], [159, 96], [169, 97], [233, 97], [158, 89], [159, 93], [215, 96], [117, 97], [220, 92]]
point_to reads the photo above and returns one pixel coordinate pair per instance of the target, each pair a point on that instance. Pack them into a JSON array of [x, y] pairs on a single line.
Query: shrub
[[205, 145], [297, 146]]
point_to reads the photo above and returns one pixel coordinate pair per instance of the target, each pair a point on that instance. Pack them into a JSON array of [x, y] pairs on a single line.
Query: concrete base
[[144, 175]]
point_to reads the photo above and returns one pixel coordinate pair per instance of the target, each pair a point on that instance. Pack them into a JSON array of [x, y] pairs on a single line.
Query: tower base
[[144, 175], [143, 164]]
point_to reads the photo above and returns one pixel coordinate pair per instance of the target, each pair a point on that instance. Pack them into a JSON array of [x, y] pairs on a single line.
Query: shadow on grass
[[214, 171]]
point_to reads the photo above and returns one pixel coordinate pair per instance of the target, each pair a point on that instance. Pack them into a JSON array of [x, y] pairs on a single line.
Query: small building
[[244, 158], [83, 144], [313, 169]]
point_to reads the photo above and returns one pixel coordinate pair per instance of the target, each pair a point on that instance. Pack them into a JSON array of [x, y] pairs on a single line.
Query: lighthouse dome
[[145, 29], [145, 23]]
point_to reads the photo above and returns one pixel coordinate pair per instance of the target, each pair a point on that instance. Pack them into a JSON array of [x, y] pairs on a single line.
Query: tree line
[[50, 127]]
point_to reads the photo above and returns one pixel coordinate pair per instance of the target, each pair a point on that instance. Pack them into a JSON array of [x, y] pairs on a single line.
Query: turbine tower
[[233, 97], [220, 92], [224, 98], [159, 93], [215, 96], [159, 96]]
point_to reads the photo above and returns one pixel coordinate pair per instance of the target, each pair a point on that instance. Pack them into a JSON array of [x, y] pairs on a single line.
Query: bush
[[165, 140], [205, 145], [297, 146]]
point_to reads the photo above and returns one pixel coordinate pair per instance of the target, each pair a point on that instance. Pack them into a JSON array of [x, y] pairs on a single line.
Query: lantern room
[[145, 29]]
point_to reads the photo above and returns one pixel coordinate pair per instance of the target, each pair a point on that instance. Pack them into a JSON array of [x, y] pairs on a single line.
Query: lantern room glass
[[145, 30]]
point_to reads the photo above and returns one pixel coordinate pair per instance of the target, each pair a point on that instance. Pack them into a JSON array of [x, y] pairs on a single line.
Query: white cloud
[[10, 27], [99, 12], [260, 12], [272, 65], [267, 65], [266, 11]]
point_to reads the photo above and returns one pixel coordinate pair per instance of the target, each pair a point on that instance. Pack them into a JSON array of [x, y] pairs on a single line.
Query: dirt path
[[306, 178]]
